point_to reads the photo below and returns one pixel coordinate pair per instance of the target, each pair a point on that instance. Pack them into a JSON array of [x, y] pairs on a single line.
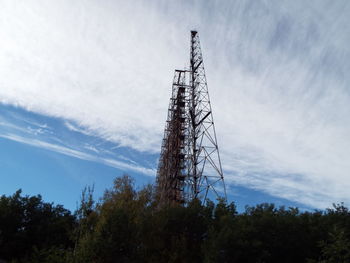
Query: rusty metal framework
[[189, 164]]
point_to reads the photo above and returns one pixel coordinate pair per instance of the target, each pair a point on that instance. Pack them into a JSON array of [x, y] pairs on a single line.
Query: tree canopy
[[129, 225]]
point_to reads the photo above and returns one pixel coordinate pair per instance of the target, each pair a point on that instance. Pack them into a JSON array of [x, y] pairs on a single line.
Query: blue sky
[[85, 85], [54, 158]]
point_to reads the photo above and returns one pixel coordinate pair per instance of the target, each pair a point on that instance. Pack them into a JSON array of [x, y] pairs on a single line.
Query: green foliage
[[28, 224], [337, 248], [128, 225]]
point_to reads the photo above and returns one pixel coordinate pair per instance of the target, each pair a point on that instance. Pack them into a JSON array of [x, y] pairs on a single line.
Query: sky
[[85, 86]]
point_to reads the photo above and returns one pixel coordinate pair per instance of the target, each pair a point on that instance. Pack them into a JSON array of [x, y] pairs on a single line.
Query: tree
[[337, 248], [27, 222]]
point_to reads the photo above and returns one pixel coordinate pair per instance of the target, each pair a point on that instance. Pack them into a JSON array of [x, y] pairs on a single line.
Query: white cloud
[[277, 74], [78, 154], [72, 127]]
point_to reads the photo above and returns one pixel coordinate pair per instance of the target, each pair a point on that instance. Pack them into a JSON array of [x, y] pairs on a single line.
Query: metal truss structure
[[189, 164]]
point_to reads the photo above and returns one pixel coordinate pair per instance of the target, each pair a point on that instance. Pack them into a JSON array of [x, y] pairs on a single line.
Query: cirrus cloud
[[277, 75]]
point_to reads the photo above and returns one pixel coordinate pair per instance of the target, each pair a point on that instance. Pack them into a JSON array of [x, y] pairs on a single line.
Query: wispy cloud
[[78, 154], [73, 127], [277, 74]]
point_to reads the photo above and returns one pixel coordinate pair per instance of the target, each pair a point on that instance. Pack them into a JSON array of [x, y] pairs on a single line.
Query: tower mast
[[189, 165]]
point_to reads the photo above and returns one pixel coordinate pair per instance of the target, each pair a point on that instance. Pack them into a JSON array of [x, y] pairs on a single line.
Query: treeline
[[127, 225]]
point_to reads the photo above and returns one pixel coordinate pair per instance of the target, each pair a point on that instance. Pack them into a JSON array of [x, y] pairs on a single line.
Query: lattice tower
[[189, 164]]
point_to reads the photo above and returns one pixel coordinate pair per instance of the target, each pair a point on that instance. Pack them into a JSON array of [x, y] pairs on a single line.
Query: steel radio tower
[[189, 164]]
